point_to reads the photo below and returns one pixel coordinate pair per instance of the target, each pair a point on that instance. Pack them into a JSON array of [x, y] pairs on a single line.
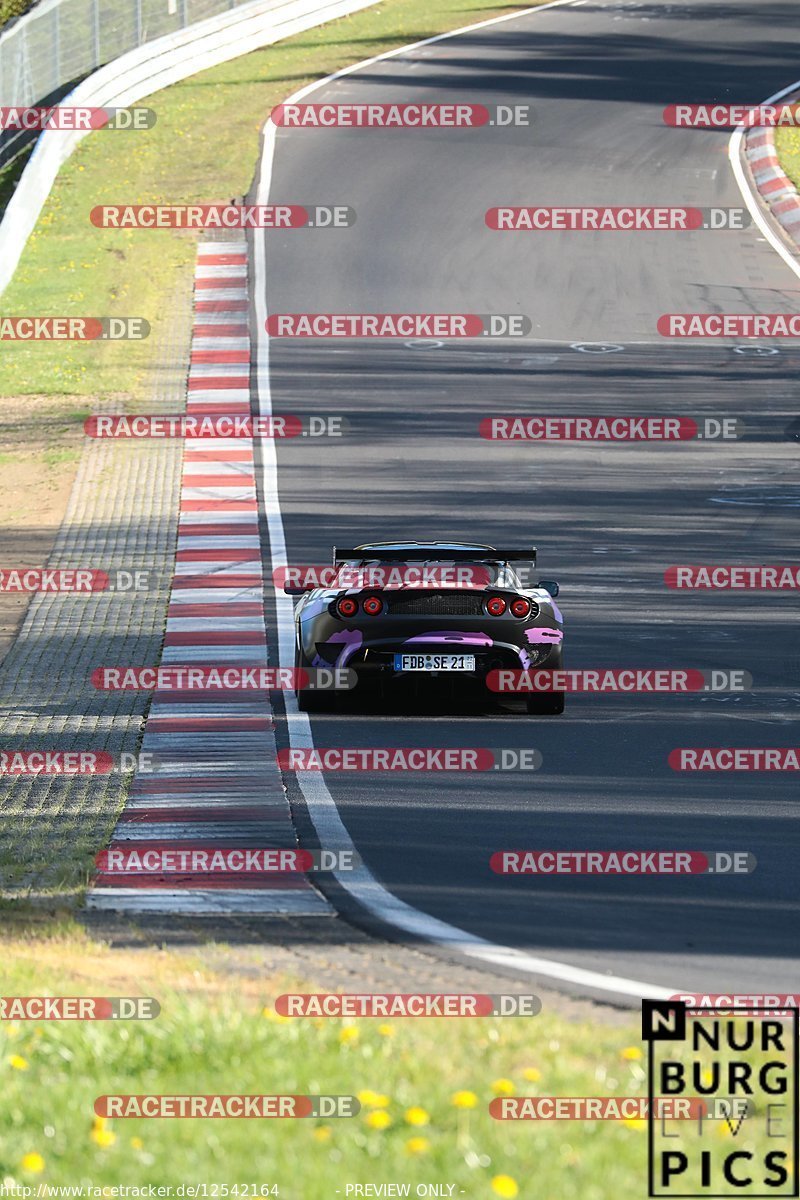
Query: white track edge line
[[361, 884]]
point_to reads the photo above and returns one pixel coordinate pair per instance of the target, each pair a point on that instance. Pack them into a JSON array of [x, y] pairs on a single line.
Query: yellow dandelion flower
[[506, 1186], [503, 1087], [386, 1031], [322, 1133], [270, 1014], [464, 1100], [103, 1137], [532, 1074], [348, 1034], [18, 1063], [631, 1054], [416, 1116], [372, 1099], [418, 1145], [635, 1122], [707, 1077], [33, 1162], [379, 1120], [137, 1143]]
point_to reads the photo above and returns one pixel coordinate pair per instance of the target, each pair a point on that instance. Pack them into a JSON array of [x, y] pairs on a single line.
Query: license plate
[[434, 662]]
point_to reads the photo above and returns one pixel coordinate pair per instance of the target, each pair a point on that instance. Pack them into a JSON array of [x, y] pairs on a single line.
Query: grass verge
[[204, 146], [12, 8], [220, 1034], [787, 143]]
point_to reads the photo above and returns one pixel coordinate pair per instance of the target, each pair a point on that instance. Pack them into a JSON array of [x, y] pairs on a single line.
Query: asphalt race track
[[608, 519]]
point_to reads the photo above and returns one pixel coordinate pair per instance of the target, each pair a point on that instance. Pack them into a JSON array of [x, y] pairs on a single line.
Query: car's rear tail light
[[520, 607], [496, 606], [347, 607], [372, 606]]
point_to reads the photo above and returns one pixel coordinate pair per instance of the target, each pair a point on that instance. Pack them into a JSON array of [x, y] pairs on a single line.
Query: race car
[[402, 611]]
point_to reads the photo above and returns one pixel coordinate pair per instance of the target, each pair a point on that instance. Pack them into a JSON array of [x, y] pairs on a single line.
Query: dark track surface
[[607, 519]]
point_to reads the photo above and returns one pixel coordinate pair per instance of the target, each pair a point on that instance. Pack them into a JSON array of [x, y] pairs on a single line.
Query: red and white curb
[[775, 188], [217, 783]]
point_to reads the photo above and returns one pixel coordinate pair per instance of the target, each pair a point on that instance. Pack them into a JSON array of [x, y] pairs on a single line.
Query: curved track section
[[609, 519]]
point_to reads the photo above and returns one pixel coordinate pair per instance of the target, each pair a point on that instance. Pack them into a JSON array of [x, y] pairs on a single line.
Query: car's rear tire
[[546, 704], [312, 702], [308, 700]]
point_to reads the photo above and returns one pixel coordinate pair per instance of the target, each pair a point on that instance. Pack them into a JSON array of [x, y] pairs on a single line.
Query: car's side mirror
[[550, 586]]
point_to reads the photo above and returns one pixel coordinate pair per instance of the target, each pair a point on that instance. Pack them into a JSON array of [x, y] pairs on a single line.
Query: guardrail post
[[56, 45], [96, 32]]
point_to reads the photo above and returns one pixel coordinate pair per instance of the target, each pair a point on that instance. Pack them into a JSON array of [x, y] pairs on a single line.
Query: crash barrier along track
[[128, 79]]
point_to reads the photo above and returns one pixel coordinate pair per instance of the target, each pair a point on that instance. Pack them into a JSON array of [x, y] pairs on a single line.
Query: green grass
[[13, 8], [204, 146], [218, 1034], [787, 143], [55, 455]]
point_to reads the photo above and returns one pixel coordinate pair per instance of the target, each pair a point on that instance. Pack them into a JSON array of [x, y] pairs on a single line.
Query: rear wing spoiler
[[430, 553]]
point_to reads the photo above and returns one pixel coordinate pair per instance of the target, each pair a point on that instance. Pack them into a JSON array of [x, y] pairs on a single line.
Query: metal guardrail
[[146, 69], [45, 52]]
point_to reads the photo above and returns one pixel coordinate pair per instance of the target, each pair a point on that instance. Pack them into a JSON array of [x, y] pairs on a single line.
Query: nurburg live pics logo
[[746, 1060]]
